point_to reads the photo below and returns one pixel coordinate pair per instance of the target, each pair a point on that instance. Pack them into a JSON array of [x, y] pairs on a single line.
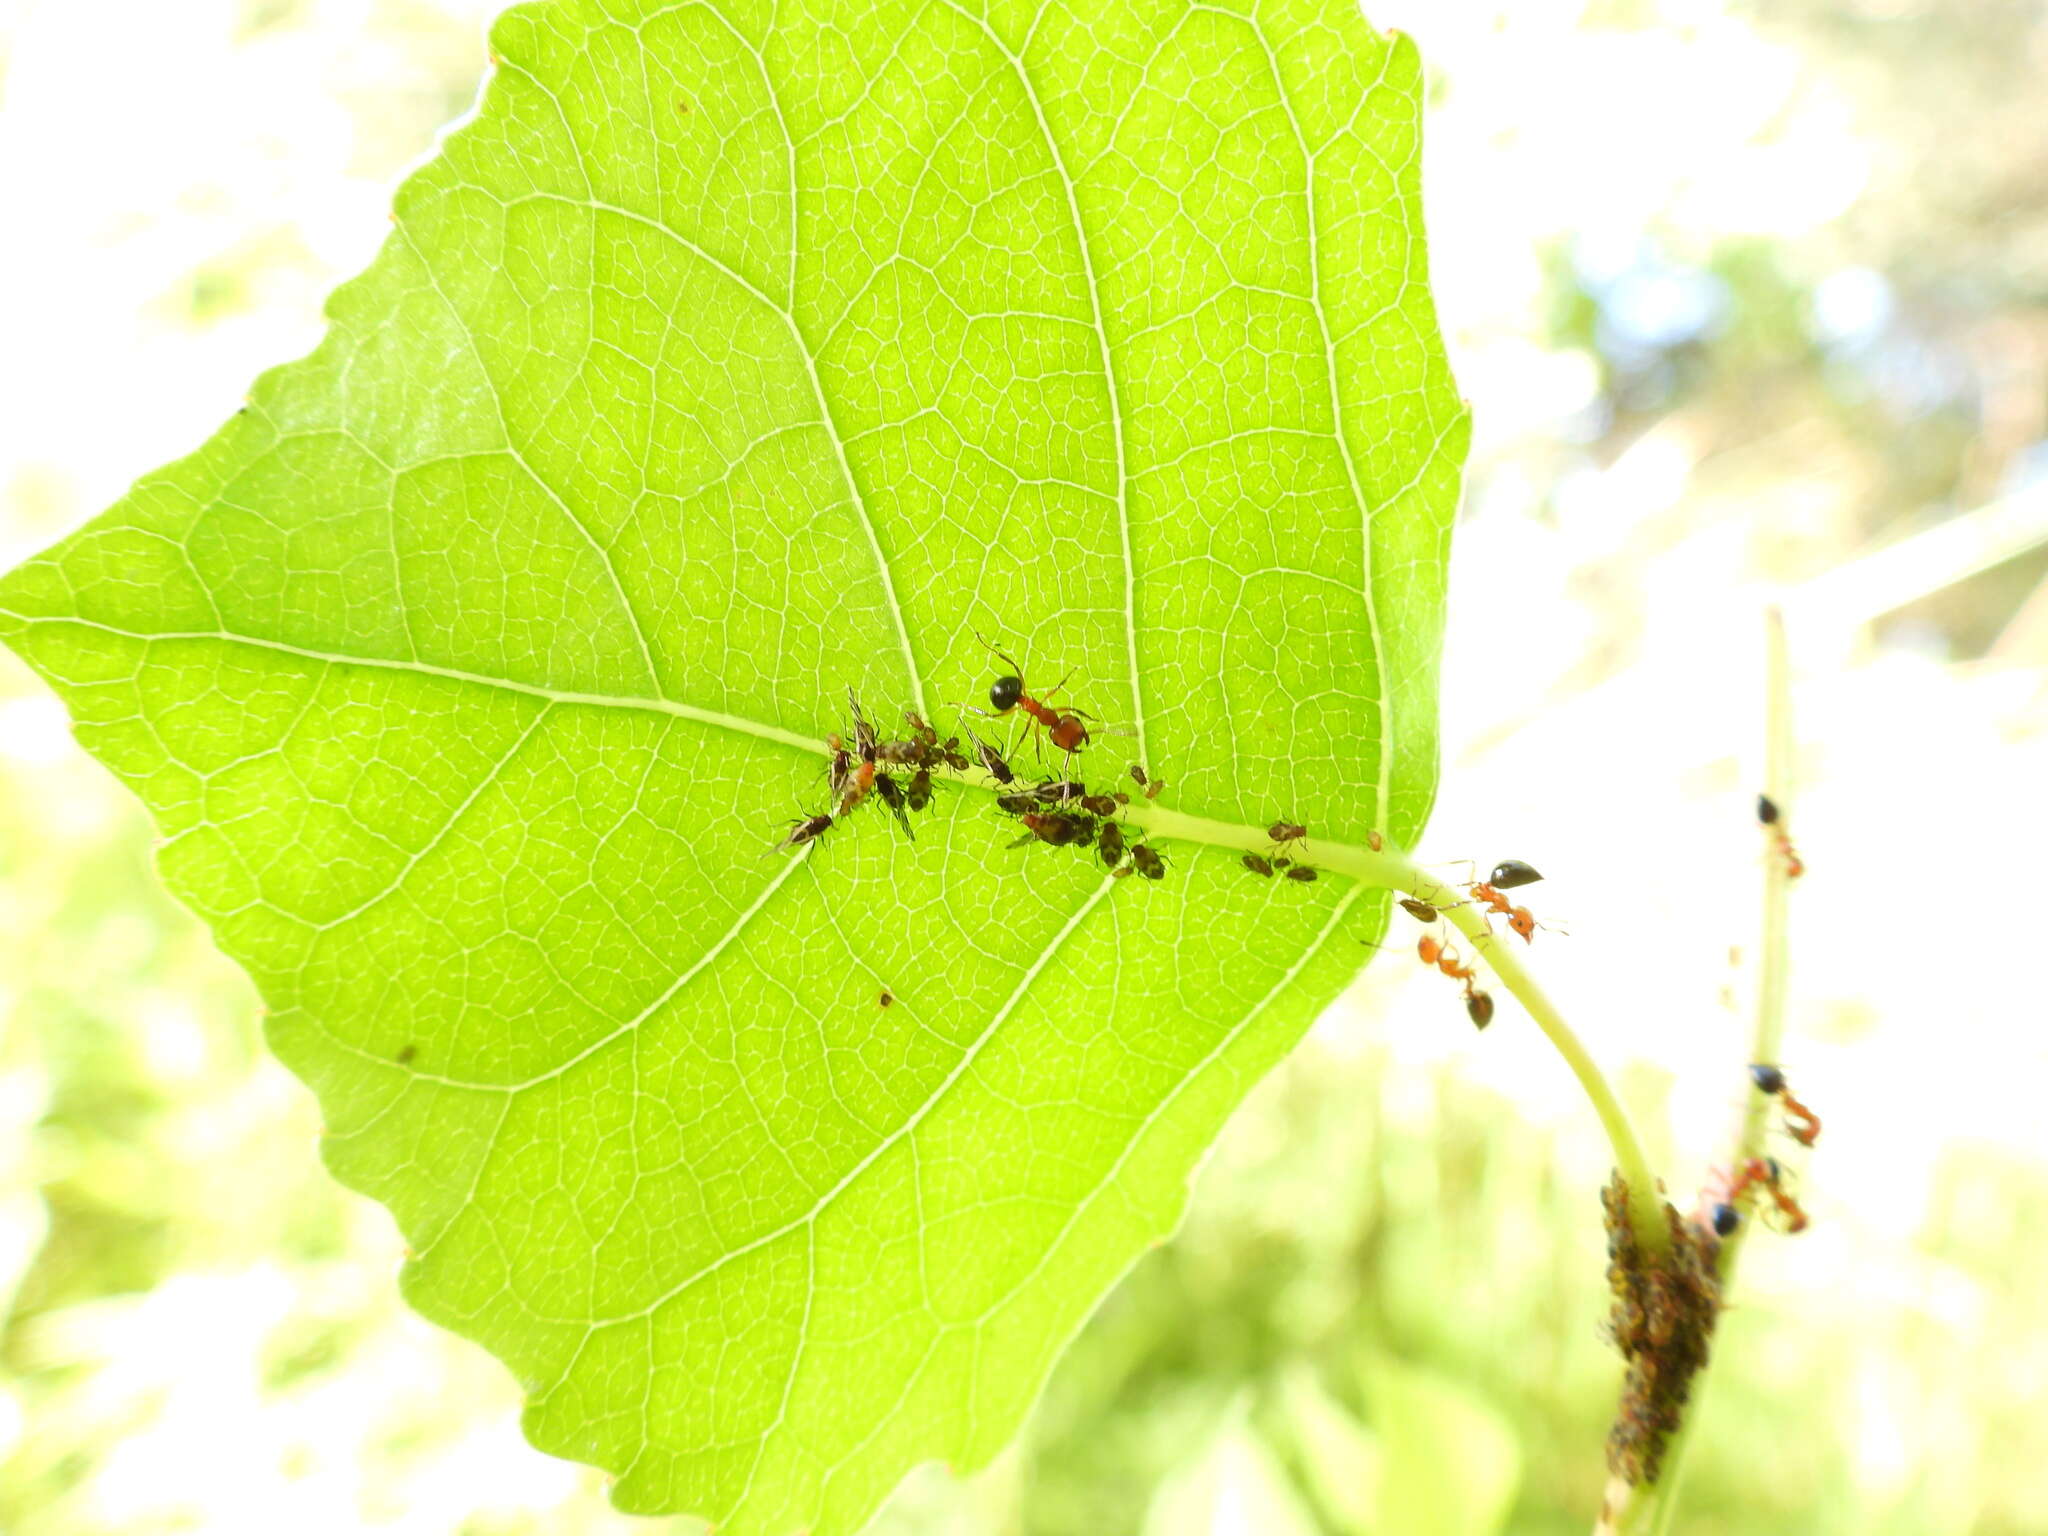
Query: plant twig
[[1652, 1506]]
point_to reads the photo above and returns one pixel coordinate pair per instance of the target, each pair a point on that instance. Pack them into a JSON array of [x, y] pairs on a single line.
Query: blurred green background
[[1751, 302]]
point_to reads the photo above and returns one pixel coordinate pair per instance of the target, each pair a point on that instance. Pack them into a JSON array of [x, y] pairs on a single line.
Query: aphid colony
[[1062, 812], [898, 773]]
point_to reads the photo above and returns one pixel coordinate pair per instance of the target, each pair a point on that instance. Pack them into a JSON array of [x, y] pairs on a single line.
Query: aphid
[[406, 1054], [885, 999], [894, 797], [1058, 793], [1258, 866], [1138, 775], [1109, 843], [920, 728], [805, 830], [1510, 873], [1057, 827], [901, 754], [1375, 842], [1147, 862], [991, 760], [859, 780], [1286, 832], [1421, 911], [918, 793], [1008, 692], [863, 732], [1017, 804], [1302, 873], [1121, 872], [1099, 805], [1478, 1007]]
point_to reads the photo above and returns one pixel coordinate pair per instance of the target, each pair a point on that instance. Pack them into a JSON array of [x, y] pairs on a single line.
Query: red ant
[[1769, 816], [1519, 918], [1008, 692], [1801, 1123], [1445, 957], [1725, 1192]]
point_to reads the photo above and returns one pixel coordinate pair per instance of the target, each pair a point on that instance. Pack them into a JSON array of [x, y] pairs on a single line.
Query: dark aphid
[[863, 732], [1147, 862], [903, 754], [1510, 873], [1286, 832], [1152, 789], [918, 793], [1768, 1079], [894, 797], [1726, 1219], [1017, 804], [949, 753], [1767, 810], [885, 999], [991, 760], [805, 830], [1099, 805], [406, 1054], [920, 728], [1283, 862], [1109, 843], [1138, 775], [1302, 873], [1479, 1008], [1121, 872], [1059, 827], [1122, 798], [1059, 792], [1258, 866], [1421, 911]]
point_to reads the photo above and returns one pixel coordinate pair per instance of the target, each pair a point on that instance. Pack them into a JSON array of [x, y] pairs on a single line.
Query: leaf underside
[[730, 356]]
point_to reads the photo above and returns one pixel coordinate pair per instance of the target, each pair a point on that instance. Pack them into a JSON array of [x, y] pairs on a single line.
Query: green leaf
[[733, 356]]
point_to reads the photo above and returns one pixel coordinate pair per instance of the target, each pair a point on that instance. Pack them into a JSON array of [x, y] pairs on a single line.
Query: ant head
[[1522, 922], [1004, 693]]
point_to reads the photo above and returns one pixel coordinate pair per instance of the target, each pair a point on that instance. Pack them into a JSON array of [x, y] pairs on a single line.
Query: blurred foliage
[[1383, 1315]]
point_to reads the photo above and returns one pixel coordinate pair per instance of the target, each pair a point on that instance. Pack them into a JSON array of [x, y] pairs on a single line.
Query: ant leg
[[1002, 656]]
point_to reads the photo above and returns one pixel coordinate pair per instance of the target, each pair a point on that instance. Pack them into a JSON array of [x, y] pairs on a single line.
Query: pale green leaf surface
[[733, 355]]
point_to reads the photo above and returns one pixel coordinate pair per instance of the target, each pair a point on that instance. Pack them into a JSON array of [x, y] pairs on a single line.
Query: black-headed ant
[[1721, 1199], [1510, 873], [1801, 1123], [1772, 820], [1519, 918], [1008, 692]]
